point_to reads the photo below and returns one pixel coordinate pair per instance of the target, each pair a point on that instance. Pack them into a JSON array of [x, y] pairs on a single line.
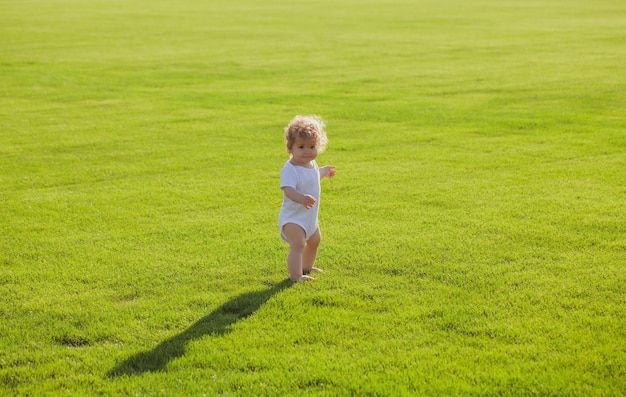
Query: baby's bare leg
[[310, 253], [295, 237]]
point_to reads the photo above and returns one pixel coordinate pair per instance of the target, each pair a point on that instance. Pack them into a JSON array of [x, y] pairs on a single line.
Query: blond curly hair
[[306, 127]]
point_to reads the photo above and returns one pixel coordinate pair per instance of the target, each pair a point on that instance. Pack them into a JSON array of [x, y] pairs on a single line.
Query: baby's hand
[[308, 201], [329, 170]]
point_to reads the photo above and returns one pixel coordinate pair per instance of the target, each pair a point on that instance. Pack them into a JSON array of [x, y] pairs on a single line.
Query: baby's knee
[[297, 245], [313, 243]]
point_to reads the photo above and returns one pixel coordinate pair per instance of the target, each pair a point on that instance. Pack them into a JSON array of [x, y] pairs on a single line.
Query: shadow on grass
[[218, 323]]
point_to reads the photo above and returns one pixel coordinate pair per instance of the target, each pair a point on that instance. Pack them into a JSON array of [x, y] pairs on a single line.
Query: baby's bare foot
[[313, 270], [303, 278]]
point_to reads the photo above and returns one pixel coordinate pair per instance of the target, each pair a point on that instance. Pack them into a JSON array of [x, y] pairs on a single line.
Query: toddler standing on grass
[[300, 179]]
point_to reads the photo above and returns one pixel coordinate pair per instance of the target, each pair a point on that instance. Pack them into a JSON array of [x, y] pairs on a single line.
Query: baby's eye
[[300, 147]]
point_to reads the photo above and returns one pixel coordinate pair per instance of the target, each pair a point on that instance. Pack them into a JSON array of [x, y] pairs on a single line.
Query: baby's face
[[304, 151]]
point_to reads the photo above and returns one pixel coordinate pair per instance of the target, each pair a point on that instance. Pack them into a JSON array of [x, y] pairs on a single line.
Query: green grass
[[474, 237]]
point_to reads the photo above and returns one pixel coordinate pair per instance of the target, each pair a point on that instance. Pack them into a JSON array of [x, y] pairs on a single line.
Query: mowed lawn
[[474, 238]]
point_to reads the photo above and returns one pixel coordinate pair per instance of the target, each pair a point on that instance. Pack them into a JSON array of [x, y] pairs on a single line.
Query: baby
[[300, 179]]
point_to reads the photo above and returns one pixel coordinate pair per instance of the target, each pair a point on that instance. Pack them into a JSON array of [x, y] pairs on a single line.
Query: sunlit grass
[[473, 239]]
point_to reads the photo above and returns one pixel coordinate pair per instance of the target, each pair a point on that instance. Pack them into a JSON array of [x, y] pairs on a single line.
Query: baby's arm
[[327, 171], [304, 199]]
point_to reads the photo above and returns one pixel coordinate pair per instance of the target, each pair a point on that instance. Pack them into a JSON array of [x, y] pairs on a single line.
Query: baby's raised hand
[[329, 171]]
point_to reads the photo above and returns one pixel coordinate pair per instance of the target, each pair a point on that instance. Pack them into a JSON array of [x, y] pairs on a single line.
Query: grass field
[[474, 238]]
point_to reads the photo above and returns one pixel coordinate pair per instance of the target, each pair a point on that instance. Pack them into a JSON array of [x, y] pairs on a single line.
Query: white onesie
[[306, 181]]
